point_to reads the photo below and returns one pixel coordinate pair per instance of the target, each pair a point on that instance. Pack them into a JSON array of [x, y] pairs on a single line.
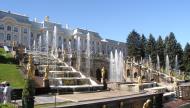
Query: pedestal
[[46, 83]]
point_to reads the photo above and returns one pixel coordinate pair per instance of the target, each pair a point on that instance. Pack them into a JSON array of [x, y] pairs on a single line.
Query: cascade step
[[65, 74], [70, 81]]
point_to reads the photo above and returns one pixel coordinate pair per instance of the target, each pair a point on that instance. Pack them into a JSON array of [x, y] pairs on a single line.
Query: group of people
[[5, 92]]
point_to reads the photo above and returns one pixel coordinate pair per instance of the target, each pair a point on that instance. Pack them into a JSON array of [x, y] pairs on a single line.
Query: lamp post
[[56, 86]]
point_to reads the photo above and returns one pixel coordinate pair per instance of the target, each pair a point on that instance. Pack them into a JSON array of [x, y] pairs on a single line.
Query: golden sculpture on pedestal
[[30, 68], [13, 43], [103, 74], [46, 73], [139, 80], [147, 104]]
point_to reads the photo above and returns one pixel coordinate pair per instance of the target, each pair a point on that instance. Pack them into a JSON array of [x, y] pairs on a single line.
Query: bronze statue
[[30, 68], [147, 104], [103, 74], [46, 73]]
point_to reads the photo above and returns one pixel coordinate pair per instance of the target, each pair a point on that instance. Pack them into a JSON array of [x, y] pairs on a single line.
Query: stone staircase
[[63, 76]]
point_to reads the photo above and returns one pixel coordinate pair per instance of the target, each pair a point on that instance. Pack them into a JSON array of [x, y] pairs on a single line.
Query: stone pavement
[[176, 103], [80, 97], [43, 99], [84, 97]]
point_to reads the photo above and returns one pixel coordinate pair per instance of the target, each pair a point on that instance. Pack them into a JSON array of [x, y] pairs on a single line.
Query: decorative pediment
[[9, 20]]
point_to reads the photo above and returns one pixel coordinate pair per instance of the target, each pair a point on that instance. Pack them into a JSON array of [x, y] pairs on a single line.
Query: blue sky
[[113, 19]]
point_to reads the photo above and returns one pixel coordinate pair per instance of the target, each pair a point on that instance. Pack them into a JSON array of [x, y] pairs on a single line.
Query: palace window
[[1, 27], [15, 37], [15, 29], [65, 40], [1, 36], [25, 30], [8, 37], [9, 28]]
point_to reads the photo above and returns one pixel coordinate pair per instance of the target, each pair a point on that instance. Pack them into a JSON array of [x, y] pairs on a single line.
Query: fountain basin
[[69, 81], [65, 74], [130, 87]]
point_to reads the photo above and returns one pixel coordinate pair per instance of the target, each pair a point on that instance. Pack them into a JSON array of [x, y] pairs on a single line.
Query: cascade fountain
[[61, 74], [34, 46], [69, 53], [88, 50], [62, 49], [121, 64], [40, 44], [29, 39], [78, 53], [176, 64], [47, 44], [158, 63], [116, 67], [111, 69], [47, 41], [150, 62], [54, 51], [150, 76], [167, 64]]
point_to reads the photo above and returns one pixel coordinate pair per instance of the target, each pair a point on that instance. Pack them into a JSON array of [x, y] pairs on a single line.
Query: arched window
[[8, 37], [1, 27], [9, 28]]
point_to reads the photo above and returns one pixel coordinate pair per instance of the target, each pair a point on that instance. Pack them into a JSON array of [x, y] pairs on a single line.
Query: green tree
[[151, 49], [186, 58], [143, 46], [179, 53], [170, 48], [160, 50], [28, 94], [133, 45]]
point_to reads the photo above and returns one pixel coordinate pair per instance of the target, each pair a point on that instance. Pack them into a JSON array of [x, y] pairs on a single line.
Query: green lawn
[[9, 71], [7, 106], [5, 57]]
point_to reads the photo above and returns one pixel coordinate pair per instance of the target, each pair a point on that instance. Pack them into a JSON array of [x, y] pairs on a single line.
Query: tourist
[[7, 93], [1, 92]]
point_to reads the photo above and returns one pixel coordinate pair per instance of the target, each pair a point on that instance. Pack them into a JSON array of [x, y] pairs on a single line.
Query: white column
[[20, 33], [95, 47], [29, 39]]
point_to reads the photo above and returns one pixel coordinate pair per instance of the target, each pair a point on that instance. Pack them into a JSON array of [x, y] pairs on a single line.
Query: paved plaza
[[81, 97]]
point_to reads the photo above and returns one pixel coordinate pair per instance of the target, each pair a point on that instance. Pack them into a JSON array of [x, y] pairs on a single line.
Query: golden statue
[[147, 104], [103, 72], [30, 68], [175, 83], [140, 80], [46, 73], [13, 43]]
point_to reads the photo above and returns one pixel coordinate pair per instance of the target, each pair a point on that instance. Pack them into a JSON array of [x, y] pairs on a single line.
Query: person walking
[[7, 93], [1, 92]]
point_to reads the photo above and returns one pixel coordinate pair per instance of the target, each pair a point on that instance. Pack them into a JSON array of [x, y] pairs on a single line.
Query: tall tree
[[179, 53], [133, 45], [151, 48], [160, 50], [170, 48], [143, 46], [186, 58]]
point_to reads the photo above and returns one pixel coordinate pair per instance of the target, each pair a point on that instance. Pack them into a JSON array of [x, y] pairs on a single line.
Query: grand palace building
[[20, 30]]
